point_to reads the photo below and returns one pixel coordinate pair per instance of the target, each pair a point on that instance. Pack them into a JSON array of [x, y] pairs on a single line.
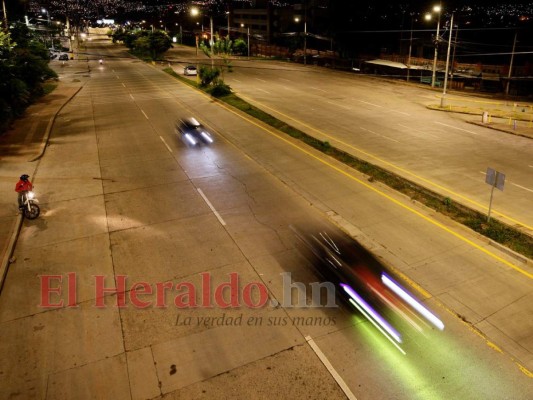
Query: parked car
[[63, 57], [190, 70], [192, 132]]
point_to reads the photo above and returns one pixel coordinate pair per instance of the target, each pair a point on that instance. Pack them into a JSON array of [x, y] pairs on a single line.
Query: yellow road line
[[455, 194], [368, 186], [430, 220], [383, 194]]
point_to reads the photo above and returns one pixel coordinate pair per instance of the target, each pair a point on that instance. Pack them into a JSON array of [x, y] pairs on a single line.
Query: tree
[[23, 68], [210, 77], [240, 47]]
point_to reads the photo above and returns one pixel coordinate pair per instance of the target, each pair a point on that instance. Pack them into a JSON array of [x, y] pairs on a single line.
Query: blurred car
[[63, 57], [365, 283], [192, 132], [190, 70]]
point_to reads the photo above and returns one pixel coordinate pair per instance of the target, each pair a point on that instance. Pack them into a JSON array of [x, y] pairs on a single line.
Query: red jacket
[[23, 186]]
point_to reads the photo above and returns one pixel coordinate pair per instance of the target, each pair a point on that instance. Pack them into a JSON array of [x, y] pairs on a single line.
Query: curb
[[44, 143], [4, 267]]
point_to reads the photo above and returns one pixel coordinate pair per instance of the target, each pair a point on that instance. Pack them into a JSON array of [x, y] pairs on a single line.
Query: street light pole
[[305, 42], [434, 74], [248, 31], [442, 99], [6, 26]]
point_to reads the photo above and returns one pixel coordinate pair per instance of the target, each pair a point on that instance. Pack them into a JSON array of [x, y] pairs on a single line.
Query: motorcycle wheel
[[33, 212]]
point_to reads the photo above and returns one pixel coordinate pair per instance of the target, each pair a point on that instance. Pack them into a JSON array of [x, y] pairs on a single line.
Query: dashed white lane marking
[[262, 80], [211, 207], [339, 105], [123, 85], [417, 130], [131, 96], [514, 184], [459, 129], [165, 143], [521, 187], [378, 134], [371, 104], [400, 112], [320, 90], [145, 116], [263, 90], [330, 368]]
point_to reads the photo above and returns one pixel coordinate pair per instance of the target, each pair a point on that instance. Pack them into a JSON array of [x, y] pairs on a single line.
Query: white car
[[189, 70]]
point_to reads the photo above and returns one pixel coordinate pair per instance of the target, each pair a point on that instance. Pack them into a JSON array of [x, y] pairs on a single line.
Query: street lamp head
[[194, 12], [296, 19], [437, 9], [242, 25], [427, 17]]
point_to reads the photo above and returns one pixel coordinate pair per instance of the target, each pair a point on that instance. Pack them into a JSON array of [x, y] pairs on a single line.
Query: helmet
[[24, 177]]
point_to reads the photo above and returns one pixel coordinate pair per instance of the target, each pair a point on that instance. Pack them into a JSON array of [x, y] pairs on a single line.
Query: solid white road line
[[263, 91], [146, 116], [211, 207], [163, 140], [330, 368]]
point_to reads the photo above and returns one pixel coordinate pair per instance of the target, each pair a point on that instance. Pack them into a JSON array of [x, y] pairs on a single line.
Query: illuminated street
[[122, 194]]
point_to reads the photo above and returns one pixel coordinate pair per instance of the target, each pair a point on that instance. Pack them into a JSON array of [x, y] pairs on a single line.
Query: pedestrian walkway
[[24, 142]]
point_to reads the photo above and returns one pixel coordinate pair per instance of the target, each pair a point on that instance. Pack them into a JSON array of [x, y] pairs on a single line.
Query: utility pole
[[511, 66], [410, 50]]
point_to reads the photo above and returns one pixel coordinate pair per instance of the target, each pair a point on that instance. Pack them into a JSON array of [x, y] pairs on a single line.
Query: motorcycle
[[29, 207]]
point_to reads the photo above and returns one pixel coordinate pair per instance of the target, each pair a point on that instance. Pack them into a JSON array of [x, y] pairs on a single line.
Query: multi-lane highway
[[387, 123], [122, 195]]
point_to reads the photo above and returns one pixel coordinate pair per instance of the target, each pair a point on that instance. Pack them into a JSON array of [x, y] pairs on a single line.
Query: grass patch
[[49, 87], [495, 230]]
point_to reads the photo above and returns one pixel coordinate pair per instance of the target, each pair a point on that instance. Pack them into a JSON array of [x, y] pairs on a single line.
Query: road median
[[509, 236]]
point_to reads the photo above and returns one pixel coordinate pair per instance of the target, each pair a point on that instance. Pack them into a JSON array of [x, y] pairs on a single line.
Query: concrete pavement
[[23, 144], [140, 354]]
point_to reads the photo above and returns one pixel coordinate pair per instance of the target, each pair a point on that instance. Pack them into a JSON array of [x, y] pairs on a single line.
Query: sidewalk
[[24, 142]]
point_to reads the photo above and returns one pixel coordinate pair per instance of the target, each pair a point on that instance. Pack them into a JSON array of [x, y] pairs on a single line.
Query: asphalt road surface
[[122, 195]]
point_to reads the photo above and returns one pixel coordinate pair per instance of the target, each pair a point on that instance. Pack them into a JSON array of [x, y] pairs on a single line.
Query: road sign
[[495, 179]]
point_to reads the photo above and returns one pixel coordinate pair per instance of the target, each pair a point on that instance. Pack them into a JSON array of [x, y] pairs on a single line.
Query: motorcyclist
[[101, 61], [23, 186]]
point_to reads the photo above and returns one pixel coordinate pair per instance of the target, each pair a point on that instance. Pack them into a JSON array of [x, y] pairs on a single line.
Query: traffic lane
[[162, 245], [415, 250]]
